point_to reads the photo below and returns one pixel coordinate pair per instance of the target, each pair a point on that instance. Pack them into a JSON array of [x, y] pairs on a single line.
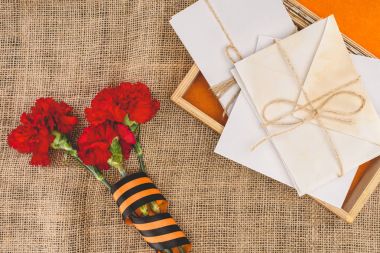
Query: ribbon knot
[[315, 109], [313, 112]]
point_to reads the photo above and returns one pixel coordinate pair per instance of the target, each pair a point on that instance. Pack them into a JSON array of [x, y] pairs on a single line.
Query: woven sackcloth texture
[[69, 50]]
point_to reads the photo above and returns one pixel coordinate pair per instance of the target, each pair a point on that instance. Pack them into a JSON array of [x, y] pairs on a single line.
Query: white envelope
[[319, 57], [243, 128], [244, 20]]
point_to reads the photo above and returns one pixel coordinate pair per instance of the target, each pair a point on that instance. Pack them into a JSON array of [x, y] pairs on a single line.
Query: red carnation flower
[[95, 142], [114, 104], [54, 115], [141, 106], [34, 134]]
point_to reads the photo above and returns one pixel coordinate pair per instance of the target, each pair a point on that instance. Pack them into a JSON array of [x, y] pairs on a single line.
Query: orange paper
[[200, 95], [358, 19]]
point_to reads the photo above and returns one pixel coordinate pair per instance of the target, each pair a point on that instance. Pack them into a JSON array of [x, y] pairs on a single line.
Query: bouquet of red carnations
[[115, 118]]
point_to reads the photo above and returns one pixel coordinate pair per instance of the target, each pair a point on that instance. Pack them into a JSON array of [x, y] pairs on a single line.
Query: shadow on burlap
[[70, 50]]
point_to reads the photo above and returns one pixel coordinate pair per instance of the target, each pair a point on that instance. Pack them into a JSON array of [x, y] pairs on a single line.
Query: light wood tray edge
[[177, 98]]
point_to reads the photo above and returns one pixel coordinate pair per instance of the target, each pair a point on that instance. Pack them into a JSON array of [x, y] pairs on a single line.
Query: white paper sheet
[[243, 129], [244, 20]]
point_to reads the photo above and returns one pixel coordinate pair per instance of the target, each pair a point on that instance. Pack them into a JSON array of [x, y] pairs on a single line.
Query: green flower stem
[[122, 172], [155, 208], [141, 163], [153, 205], [61, 142], [95, 172], [140, 155], [144, 210], [138, 149]]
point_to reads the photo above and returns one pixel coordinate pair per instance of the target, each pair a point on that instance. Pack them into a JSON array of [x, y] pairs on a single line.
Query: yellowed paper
[[320, 60]]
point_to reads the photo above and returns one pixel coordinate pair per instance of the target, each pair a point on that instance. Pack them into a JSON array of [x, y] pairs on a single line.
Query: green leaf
[[133, 125], [116, 159], [62, 142], [56, 144]]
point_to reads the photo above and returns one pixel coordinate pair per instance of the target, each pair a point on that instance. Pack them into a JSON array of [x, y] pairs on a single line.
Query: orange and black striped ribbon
[[159, 231]]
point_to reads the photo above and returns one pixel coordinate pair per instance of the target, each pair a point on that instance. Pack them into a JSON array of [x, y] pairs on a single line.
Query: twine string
[[231, 45], [312, 111], [221, 88]]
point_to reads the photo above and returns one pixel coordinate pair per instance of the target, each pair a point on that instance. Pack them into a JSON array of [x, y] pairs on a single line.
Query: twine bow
[[315, 109]]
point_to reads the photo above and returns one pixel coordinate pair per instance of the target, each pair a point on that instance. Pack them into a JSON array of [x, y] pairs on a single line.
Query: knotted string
[[222, 87], [312, 112], [231, 45]]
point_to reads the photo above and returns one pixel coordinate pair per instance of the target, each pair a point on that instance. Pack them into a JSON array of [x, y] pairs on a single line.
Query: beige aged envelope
[[317, 59]]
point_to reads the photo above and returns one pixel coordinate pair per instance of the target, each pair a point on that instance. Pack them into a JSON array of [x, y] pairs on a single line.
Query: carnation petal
[[40, 159], [20, 139], [125, 134], [126, 148]]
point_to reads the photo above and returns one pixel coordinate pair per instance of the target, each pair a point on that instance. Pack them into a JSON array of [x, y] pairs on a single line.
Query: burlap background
[[71, 49]]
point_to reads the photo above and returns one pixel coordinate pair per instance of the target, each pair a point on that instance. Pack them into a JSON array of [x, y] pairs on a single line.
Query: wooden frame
[[177, 98], [356, 201], [367, 184]]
